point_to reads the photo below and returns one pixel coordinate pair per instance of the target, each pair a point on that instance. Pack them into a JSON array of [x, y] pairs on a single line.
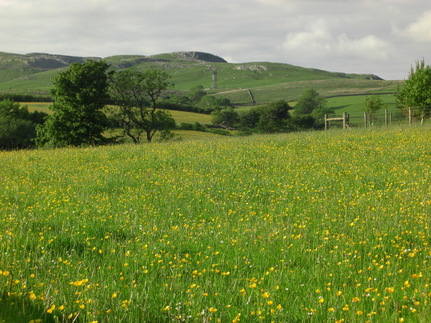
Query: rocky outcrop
[[200, 56], [374, 77]]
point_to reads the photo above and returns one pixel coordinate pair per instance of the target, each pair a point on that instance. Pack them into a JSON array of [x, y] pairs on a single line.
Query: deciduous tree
[[309, 101], [136, 94], [80, 93], [416, 91]]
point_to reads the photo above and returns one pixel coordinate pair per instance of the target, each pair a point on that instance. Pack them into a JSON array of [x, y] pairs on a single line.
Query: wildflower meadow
[[321, 227]]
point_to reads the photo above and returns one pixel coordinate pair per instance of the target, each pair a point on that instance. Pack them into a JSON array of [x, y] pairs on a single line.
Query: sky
[[383, 37]]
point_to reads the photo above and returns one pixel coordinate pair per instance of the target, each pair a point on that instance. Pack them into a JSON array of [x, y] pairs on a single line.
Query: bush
[[226, 118], [18, 125], [16, 133], [249, 119], [273, 117], [304, 122]]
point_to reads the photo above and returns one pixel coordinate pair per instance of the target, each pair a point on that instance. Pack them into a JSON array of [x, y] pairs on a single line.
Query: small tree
[[309, 102], [80, 93], [137, 94], [416, 90], [372, 105]]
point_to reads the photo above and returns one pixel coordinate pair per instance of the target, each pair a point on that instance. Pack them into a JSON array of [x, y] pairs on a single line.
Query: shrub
[[18, 125]]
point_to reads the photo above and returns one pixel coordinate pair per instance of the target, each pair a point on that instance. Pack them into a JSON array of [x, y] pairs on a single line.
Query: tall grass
[[304, 227]]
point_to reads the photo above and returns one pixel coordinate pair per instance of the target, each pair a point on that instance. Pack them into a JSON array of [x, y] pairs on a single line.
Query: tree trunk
[[149, 135]]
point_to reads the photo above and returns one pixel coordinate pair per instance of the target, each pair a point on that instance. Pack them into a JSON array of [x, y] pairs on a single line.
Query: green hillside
[[33, 74]]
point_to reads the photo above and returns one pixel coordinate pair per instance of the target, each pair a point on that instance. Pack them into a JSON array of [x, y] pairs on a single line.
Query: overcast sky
[[383, 37]]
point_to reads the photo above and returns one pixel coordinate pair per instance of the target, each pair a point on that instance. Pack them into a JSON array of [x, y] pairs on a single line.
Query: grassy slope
[[12, 67], [268, 80], [292, 90], [261, 228], [36, 83], [354, 105]]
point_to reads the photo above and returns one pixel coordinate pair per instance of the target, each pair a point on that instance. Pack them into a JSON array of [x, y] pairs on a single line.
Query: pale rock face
[[253, 68]]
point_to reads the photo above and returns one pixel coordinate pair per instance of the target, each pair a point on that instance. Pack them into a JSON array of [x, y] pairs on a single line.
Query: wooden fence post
[[365, 120], [344, 120], [390, 118], [326, 122]]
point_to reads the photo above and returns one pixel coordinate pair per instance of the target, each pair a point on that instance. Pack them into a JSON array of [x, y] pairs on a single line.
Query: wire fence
[[381, 118]]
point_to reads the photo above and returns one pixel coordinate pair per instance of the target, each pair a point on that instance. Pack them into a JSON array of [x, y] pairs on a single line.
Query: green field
[[319, 227], [179, 116], [355, 105]]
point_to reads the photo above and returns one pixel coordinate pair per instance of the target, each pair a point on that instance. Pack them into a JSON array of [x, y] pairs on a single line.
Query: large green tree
[[80, 93], [136, 95], [415, 93]]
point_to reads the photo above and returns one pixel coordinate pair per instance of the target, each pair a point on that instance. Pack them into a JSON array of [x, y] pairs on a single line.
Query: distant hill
[[33, 74]]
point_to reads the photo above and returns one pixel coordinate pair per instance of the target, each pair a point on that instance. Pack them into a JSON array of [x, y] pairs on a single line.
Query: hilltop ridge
[[33, 74]]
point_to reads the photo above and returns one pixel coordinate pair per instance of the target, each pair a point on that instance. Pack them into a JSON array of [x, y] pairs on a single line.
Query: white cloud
[[420, 30], [319, 41]]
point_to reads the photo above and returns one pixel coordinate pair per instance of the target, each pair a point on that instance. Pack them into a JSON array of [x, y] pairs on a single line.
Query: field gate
[[345, 119]]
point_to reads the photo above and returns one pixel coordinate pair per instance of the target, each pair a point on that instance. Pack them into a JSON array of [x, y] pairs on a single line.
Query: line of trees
[[277, 116]]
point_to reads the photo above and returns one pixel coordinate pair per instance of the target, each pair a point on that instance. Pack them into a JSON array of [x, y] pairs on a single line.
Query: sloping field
[[355, 105], [287, 228], [291, 91]]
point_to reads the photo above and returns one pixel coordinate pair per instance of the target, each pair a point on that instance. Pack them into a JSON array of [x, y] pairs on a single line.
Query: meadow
[[320, 227]]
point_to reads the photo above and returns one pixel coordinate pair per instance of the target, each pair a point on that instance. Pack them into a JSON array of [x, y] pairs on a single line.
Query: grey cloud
[[364, 36]]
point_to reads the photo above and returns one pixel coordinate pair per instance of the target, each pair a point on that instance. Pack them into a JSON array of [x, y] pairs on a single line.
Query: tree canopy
[[416, 90], [136, 95], [80, 93], [309, 101]]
